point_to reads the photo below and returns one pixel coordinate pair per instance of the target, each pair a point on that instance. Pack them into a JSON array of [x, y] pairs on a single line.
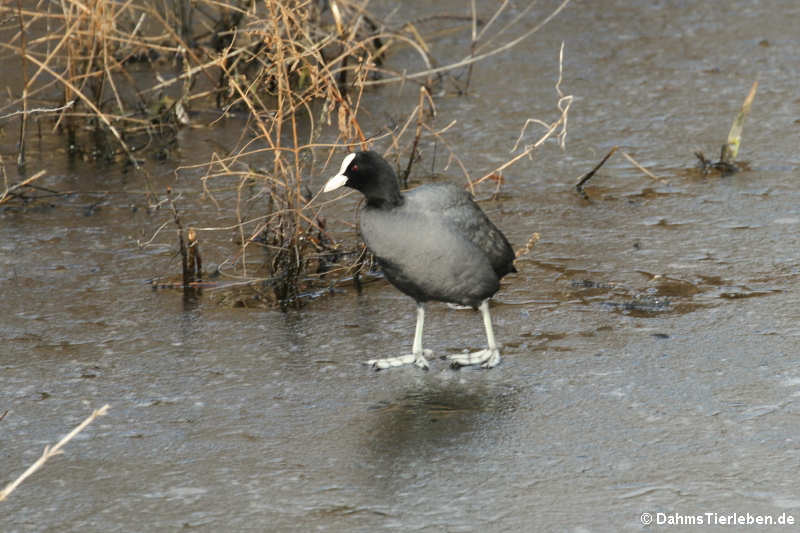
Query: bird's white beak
[[334, 183], [339, 179]]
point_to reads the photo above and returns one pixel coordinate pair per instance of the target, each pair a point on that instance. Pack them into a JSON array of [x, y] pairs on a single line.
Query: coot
[[433, 243]]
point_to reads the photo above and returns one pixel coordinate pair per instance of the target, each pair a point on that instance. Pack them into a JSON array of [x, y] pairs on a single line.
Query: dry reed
[[133, 73], [51, 452]]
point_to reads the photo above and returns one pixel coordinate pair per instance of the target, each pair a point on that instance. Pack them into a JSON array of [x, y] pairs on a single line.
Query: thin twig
[[473, 43], [471, 59], [102, 116], [50, 452], [586, 177], [564, 103], [640, 167], [415, 143], [39, 110], [5, 196], [24, 120]]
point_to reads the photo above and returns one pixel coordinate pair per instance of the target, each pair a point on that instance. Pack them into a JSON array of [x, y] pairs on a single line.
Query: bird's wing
[[460, 210]]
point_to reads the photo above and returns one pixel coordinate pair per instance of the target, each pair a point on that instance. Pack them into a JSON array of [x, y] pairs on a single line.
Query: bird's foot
[[485, 358], [417, 359]]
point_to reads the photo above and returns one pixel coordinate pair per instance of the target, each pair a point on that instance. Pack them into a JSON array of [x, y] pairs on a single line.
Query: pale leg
[[418, 354], [487, 358]]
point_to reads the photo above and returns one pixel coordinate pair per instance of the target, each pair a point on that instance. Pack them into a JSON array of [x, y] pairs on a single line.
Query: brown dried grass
[[129, 71]]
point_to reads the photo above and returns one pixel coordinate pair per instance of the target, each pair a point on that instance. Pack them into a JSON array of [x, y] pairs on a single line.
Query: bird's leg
[[418, 354], [487, 358]]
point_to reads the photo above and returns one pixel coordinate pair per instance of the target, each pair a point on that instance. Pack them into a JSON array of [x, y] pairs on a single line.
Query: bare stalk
[[51, 452], [24, 118], [471, 59], [7, 194], [731, 147], [420, 118], [559, 125], [474, 41]]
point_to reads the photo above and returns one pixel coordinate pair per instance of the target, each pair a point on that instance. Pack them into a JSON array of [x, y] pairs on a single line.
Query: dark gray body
[[438, 245]]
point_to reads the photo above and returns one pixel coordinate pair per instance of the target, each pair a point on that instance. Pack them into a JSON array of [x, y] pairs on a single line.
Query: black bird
[[433, 243]]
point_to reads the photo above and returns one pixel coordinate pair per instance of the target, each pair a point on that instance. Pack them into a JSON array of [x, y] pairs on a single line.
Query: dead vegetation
[[49, 452], [584, 179], [725, 166], [118, 80]]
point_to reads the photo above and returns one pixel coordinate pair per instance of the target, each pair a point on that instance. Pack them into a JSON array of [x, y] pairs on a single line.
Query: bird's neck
[[386, 197]]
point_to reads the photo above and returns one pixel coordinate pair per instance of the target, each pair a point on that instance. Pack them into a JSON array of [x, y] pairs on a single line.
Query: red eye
[[354, 168]]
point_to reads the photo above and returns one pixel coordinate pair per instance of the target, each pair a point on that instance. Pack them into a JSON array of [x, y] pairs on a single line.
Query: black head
[[370, 174]]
